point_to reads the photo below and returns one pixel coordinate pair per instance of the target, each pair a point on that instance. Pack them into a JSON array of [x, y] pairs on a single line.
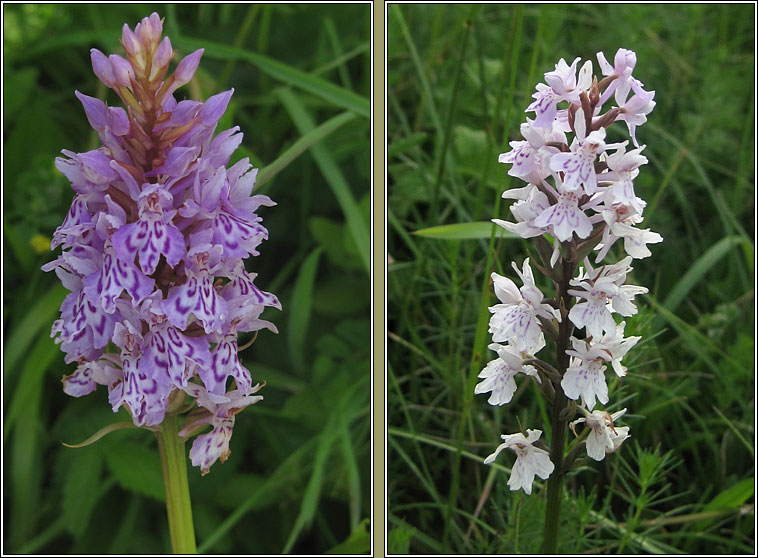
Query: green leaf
[[702, 265], [38, 316], [300, 308], [405, 144], [465, 231], [358, 542], [81, 489], [334, 94], [333, 237], [731, 498], [399, 540], [471, 148], [41, 356], [137, 468], [342, 294], [355, 222], [302, 144]]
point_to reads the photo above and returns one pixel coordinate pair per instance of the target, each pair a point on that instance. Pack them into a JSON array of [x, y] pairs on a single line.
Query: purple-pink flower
[[153, 247]]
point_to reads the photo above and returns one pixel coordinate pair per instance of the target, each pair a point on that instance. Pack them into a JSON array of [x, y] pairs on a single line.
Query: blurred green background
[[298, 476], [460, 78]]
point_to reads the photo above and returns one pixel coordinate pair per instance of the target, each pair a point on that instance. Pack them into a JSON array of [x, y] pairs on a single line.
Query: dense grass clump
[[459, 79]]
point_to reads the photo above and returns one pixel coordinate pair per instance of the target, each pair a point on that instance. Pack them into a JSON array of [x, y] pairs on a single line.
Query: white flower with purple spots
[[499, 374], [530, 461], [565, 218], [578, 165], [593, 314], [515, 320], [604, 436]]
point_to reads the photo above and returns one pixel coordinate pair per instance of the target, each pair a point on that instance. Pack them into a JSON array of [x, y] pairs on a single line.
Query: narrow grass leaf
[[465, 231], [40, 357], [731, 498], [39, 316], [353, 476], [325, 161], [697, 271], [81, 490], [302, 144], [285, 73], [312, 492], [405, 144], [736, 432], [300, 314]]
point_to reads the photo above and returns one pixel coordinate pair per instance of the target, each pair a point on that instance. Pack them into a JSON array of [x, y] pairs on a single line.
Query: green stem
[[558, 439], [178, 507]]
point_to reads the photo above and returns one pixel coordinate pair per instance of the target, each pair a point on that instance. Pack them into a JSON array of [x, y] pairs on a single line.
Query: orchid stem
[[178, 506], [558, 439]]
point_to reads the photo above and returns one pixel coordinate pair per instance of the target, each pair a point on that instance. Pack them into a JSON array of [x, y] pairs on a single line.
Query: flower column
[[579, 197]]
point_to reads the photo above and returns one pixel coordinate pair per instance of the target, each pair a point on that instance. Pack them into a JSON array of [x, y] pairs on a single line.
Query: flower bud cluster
[[153, 249], [580, 196]]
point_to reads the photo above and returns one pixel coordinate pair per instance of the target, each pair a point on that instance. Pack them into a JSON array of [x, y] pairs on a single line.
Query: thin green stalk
[[178, 507], [558, 425], [450, 113]]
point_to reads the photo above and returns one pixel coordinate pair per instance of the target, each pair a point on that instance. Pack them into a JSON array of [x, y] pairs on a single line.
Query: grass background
[[459, 79], [298, 476]]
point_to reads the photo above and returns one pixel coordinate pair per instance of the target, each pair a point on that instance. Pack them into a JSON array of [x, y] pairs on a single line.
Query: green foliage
[[684, 486], [301, 78]]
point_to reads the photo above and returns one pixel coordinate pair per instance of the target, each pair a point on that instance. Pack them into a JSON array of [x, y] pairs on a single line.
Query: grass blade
[[301, 308], [334, 177], [465, 231], [302, 144], [334, 94]]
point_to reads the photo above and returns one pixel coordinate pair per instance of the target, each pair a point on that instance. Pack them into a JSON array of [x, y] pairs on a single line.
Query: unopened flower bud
[[186, 68], [130, 41], [161, 58], [122, 70], [102, 68], [150, 30], [594, 93]]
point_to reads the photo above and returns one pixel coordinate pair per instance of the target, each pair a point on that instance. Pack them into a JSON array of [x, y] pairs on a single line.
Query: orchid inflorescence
[[590, 204], [154, 244]]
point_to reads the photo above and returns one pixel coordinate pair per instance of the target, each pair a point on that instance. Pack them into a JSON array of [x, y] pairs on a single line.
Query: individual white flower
[[604, 437], [515, 320], [531, 202], [635, 110], [594, 313], [530, 461], [623, 64], [636, 240], [624, 168], [499, 374], [565, 218], [579, 164], [562, 85], [586, 379], [611, 347], [530, 158], [622, 301]]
